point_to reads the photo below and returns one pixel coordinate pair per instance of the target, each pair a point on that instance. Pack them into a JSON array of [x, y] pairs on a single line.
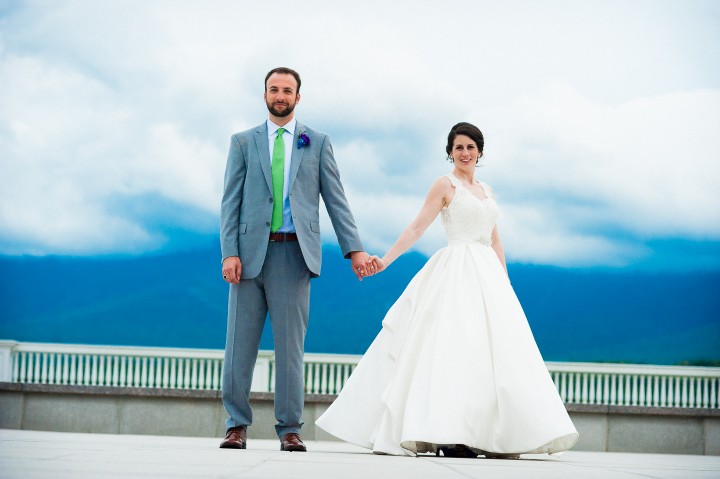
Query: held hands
[[364, 265], [376, 264]]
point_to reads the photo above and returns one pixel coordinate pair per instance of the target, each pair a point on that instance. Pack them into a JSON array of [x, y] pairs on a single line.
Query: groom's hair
[[284, 71]]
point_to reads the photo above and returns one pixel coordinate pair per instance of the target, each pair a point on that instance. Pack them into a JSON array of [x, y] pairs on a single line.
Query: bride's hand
[[375, 264]]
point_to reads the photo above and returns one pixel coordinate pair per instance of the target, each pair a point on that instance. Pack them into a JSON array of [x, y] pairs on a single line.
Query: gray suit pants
[[282, 289]]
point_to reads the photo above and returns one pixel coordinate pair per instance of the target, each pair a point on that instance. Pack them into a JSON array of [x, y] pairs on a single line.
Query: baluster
[[101, 370], [122, 371], [332, 379], [713, 393], [614, 379], [325, 379], [317, 384], [130, 374], [205, 371], [273, 375], [693, 382], [216, 375], [51, 368], [563, 387], [188, 370], [623, 390], [705, 397], [684, 392], [22, 364], [173, 373], [634, 399], [94, 377], [114, 370], [135, 366], [81, 369], [147, 372], [309, 377], [151, 372], [60, 368], [672, 391], [592, 382], [180, 374], [644, 390], [44, 368], [72, 379], [664, 391], [64, 369], [655, 392], [35, 371], [571, 388], [166, 372]]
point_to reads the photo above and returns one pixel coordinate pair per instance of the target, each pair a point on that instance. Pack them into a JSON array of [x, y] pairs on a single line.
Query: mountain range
[[179, 300]]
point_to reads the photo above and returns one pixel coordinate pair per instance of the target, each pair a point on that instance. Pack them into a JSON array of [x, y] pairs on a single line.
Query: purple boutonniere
[[303, 140]]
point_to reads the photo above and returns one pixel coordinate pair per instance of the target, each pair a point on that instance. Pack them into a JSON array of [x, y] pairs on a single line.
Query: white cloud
[[597, 131]]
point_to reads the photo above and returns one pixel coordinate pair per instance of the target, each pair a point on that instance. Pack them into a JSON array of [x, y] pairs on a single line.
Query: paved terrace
[[56, 455]]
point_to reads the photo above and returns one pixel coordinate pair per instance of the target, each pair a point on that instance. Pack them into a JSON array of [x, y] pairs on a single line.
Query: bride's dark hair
[[469, 130]]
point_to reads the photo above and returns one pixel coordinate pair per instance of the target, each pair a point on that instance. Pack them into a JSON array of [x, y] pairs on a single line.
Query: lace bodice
[[467, 219]]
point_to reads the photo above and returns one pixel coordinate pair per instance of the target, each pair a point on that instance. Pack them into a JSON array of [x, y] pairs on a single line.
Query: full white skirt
[[455, 363]]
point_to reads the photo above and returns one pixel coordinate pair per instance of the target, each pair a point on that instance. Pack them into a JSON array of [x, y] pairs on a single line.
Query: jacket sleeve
[[336, 203], [232, 198]]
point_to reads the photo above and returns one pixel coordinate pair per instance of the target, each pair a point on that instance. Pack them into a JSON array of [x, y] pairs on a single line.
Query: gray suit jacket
[[247, 201]]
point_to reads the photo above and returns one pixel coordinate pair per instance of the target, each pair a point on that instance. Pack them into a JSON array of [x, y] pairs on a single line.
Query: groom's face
[[281, 94]]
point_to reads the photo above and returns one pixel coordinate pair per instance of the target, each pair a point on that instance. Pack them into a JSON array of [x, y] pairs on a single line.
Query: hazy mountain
[[179, 300]]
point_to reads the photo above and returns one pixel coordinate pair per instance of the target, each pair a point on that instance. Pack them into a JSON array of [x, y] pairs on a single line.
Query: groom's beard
[[280, 110]]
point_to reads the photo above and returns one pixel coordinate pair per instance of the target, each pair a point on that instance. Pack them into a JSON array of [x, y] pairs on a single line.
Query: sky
[[601, 119]]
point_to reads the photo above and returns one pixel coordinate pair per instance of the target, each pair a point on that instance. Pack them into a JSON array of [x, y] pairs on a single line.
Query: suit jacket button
[[270, 200], [267, 223]]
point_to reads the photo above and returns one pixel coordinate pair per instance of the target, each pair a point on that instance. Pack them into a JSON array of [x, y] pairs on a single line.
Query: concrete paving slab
[[36, 454]]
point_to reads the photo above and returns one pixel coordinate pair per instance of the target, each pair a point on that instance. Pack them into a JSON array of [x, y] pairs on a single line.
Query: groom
[[270, 241]]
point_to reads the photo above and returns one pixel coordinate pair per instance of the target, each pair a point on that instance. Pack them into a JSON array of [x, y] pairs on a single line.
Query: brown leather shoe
[[236, 438], [292, 442]]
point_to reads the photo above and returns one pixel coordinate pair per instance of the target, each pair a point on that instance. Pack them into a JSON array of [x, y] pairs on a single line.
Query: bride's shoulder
[[443, 183]]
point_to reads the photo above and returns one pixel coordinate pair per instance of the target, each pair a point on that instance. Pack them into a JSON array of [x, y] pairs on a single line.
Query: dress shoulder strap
[[487, 189], [455, 182]]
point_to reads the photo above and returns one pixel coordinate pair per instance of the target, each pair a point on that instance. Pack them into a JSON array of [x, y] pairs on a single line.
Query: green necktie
[[278, 178]]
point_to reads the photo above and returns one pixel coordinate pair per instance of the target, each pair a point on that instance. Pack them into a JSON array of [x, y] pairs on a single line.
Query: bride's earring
[[449, 158]]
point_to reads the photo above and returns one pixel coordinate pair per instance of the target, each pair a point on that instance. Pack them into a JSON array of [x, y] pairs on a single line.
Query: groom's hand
[[232, 269], [358, 260]]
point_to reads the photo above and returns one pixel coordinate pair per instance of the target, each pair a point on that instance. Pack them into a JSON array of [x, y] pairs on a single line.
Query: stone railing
[[578, 383]]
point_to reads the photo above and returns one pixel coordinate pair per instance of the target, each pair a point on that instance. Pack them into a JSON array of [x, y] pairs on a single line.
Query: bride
[[455, 368]]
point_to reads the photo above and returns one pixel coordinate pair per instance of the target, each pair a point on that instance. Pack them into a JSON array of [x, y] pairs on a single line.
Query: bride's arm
[[438, 196], [498, 247]]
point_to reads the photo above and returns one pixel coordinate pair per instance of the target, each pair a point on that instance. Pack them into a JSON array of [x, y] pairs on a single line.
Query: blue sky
[[600, 118]]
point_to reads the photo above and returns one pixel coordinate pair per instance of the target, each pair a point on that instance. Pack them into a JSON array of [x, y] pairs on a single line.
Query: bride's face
[[465, 152]]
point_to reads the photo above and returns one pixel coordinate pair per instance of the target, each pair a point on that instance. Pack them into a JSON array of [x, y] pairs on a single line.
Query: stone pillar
[[6, 360]]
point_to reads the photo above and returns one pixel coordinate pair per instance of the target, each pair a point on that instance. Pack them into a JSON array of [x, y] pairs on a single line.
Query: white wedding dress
[[455, 361]]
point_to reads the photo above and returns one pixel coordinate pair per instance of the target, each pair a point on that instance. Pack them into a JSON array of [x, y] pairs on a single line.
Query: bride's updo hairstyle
[[469, 130]]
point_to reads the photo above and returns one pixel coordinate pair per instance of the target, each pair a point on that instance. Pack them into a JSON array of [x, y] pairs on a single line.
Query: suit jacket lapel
[[297, 153], [263, 152]]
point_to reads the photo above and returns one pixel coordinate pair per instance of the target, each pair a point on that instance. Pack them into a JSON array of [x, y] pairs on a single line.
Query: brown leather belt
[[282, 237]]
